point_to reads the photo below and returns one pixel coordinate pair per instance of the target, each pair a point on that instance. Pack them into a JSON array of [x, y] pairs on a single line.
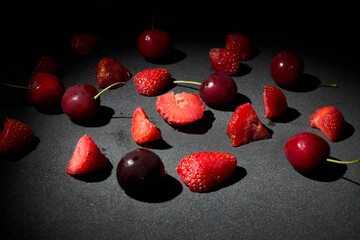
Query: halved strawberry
[[46, 64], [275, 103], [109, 71], [330, 121], [239, 43], [204, 171], [84, 43], [15, 137], [180, 109], [224, 60], [151, 82], [245, 126], [142, 129], [86, 158]]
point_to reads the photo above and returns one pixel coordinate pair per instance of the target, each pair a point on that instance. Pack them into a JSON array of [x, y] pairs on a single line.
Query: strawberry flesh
[[110, 71], [15, 137], [142, 129], [151, 82], [180, 109], [204, 171], [245, 127], [224, 60], [86, 158], [330, 121], [275, 103]]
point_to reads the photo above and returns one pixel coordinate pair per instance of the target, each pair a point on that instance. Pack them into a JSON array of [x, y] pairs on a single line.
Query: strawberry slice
[[86, 158], [239, 43], [180, 109], [224, 60], [84, 43], [151, 82], [330, 121], [15, 137], [46, 64], [245, 126], [109, 71], [142, 129], [204, 171], [275, 103]]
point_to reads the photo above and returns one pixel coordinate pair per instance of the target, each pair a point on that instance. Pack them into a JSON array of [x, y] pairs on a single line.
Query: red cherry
[[286, 69], [154, 44]]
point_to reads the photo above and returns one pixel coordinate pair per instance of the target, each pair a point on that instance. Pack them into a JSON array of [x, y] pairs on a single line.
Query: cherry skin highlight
[[154, 44]]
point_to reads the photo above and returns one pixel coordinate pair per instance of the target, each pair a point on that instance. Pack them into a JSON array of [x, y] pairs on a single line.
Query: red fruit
[[241, 44], [330, 121], [110, 71], [204, 171], [180, 109], [15, 137], [86, 158], [151, 82], [245, 126], [142, 129], [46, 64], [224, 60], [154, 44], [84, 43], [275, 102]]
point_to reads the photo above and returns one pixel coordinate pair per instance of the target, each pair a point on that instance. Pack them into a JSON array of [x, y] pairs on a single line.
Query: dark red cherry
[[154, 44], [286, 69]]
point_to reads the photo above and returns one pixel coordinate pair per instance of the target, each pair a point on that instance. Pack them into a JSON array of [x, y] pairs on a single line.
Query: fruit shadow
[[200, 126], [96, 176], [243, 70], [175, 56], [327, 172], [102, 118], [158, 144], [238, 174], [167, 190], [26, 151], [307, 83], [290, 115], [348, 132], [231, 107]]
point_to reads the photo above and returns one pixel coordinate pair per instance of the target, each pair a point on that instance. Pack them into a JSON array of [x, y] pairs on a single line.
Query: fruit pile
[[141, 170]]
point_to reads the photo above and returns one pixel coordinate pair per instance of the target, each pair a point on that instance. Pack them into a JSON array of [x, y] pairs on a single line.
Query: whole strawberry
[[46, 64], [151, 82], [239, 43], [224, 60], [84, 43], [109, 71], [15, 137], [275, 103], [204, 171]]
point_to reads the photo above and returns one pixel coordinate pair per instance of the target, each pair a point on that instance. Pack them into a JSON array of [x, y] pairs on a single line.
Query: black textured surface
[[265, 198]]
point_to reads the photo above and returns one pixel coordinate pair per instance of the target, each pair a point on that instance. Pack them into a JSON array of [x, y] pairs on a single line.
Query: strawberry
[[275, 103], [330, 121], [204, 171], [180, 109], [86, 158], [142, 129], [15, 137], [224, 60], [46, 64], [109, 71], [84, 43], [151, 82], [239, 43], [245, 126]]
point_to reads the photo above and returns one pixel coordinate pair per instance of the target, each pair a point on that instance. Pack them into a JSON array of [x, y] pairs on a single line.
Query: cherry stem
[[189, 82], [14, 86], [108, 87], [342, 162], [329, 85]]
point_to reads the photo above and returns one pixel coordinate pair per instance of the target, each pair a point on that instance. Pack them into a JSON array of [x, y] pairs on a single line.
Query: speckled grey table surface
[[265, 198]]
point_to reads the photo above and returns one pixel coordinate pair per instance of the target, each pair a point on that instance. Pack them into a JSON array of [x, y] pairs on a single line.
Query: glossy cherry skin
[[140, 171], [78, 102], [305, 151], [46, 91], [286, 69], [218, 89], [154, 44]]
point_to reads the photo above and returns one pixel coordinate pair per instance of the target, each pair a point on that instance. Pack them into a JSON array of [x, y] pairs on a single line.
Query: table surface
[[265, 197]]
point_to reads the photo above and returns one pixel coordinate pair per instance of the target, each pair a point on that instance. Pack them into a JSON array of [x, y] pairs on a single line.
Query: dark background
[[265, 198]]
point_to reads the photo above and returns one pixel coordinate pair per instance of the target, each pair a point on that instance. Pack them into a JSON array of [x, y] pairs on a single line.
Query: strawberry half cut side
[[86, 158], [142, 129], [275, 103]]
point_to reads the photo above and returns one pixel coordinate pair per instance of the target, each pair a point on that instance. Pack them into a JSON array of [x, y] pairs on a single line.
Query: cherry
[[218, 89], [305, 151], [286, 69], [154, 44], [140, 171], [82, 101]]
